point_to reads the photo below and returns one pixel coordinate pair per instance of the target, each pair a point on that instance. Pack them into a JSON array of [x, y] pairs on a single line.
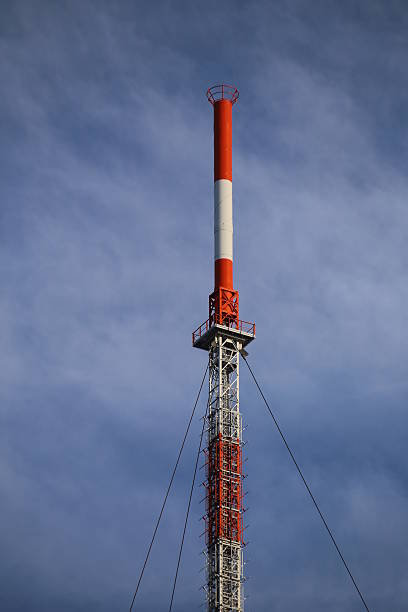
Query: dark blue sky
[[106, 266]]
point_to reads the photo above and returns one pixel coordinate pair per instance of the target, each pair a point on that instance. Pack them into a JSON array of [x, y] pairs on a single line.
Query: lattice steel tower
[[224, 336]]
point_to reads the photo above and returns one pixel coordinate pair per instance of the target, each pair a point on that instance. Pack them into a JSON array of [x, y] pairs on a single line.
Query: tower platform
[[237, 330]]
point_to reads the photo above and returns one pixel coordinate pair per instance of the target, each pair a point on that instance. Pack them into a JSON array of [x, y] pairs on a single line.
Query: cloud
[[106, 268]]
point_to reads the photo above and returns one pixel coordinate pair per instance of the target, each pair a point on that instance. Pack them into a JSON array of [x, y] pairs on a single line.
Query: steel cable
[[307, 487], [168, 491], [188, 510]]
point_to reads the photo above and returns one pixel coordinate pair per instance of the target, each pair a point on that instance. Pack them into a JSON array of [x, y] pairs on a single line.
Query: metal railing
[[222, 92], [241, 326]]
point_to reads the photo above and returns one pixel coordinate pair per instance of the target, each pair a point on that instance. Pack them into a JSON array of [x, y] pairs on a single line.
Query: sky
[[106, 266]]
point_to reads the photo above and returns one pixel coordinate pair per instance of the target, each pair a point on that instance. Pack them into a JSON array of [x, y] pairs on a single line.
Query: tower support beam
[[224, 521]]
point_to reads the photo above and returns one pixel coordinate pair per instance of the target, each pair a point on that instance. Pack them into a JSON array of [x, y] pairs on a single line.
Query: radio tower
[[224, 336]]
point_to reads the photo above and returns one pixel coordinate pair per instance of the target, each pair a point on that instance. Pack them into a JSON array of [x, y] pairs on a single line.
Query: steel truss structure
[[224, 336], [224, 521]]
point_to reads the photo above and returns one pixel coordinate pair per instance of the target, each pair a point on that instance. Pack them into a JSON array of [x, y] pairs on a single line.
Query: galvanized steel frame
[[224, 528]]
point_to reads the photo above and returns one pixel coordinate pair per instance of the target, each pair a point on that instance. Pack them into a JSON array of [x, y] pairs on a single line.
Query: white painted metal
[[223, 228]]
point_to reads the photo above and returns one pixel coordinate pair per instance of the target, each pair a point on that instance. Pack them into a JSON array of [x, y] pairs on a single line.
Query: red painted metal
[[223, 140], [224, 491], [223, 273], [224, 305]]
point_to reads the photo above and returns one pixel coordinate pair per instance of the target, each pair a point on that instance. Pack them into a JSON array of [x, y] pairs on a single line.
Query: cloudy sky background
[[106, 266]]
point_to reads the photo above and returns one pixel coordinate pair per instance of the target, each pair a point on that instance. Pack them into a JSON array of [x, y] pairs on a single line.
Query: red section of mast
[[223, 140], [224, 301], [224, 491]]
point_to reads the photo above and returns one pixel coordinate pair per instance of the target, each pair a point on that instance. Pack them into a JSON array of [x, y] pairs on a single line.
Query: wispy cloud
[[106, 266]]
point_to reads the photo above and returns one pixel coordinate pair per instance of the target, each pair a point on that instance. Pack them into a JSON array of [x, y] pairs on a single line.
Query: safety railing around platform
[[240, 326]]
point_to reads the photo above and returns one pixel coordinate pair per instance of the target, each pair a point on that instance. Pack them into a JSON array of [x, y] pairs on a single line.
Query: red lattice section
[[224, 307], [224, 491]]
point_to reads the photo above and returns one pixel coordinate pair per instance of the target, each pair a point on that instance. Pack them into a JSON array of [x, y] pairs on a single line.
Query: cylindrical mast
[[223, 227], [224, 301], [224, 336]]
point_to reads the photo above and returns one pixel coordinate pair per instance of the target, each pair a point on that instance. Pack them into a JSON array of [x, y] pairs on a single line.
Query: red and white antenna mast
[[224, 336]]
